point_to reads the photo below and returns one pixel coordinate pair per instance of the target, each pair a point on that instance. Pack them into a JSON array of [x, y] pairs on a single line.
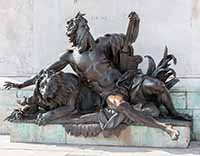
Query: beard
[[72, 39]]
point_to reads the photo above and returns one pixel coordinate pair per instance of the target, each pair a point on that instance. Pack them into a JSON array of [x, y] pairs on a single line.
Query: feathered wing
[[163, 71]]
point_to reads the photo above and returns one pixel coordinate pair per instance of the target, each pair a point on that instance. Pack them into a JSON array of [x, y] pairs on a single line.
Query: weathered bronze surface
[[108, 92]]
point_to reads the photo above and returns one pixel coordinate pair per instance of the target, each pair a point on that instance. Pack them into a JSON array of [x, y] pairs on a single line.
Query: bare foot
[[174, 134]]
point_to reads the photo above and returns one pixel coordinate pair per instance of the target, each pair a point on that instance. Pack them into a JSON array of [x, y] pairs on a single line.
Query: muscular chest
[[82, 61]]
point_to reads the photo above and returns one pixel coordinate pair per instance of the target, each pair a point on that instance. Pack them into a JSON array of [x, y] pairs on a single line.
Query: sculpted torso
[[95, 68], [101, 62]]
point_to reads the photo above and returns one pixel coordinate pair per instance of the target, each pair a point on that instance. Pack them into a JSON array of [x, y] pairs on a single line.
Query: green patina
[[188, 102]]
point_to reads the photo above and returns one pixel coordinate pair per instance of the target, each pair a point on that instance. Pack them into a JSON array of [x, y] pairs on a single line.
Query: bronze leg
[[152, 86], [117, 102], [57, 113], [166, 100]]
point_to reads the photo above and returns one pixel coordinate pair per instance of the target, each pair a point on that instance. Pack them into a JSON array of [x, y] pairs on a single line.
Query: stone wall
[[186, 97], [32, 35]]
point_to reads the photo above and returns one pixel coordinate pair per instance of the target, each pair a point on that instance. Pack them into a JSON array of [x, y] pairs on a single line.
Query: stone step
[[8, 104], [134, 135]]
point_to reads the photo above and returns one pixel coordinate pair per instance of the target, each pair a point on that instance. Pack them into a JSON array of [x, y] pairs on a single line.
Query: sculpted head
[[49, 85], [75, 24]]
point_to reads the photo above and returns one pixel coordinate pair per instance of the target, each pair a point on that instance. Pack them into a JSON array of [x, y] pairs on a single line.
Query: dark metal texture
[[108, 92]]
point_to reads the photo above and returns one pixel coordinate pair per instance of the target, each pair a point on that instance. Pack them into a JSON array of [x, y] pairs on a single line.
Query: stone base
[[8, 104], [134, 135]]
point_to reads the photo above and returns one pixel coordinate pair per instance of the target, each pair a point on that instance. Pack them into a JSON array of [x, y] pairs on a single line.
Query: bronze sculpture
[[108, 93]]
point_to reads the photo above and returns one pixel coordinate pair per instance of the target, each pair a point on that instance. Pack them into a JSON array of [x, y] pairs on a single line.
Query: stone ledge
[[133, 135], [8, 104]]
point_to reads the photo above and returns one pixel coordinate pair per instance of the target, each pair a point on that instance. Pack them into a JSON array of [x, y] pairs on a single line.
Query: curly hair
[[58, 88]]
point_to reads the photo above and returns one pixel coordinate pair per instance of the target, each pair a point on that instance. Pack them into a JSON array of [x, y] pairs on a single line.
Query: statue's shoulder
[[65, 55]]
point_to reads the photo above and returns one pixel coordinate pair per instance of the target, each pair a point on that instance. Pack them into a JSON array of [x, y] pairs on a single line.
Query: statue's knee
[[151, 109], [161, 87], [153, 86], [116, 102]]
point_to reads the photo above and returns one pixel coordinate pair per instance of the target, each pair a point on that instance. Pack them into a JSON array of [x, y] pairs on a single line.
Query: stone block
[[187, 111], [134, 135], [196, 124], [193, 100], [7, 105], [179, 100], [187, 84], [7, 98], [4, 125], [32, 133], [139, 136]]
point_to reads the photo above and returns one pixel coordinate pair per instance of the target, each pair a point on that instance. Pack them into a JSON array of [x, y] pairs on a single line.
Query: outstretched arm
[[57, 66], [9, 85], [63, 61]]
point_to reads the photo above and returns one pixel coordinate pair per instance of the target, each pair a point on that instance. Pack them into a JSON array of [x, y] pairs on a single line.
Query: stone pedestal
[[8, 104], [135, 135]]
